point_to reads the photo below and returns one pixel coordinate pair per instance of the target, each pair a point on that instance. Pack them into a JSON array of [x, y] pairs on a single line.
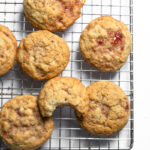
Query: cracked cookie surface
[[43, 55], [8, 46], [108, 109], [62, 91], [52, 15], [106, 43], [21, 125]]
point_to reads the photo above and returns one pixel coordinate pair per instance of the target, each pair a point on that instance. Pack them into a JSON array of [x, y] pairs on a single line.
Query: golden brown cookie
[[52, 15], [22, 127], [62, 91], [108, 109], [43, 55], [8, 46], [106, 43]]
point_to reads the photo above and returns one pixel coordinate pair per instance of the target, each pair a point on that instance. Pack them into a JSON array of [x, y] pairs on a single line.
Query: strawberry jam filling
[[69, 6], [127, 107], [117, 38], [100, 41]]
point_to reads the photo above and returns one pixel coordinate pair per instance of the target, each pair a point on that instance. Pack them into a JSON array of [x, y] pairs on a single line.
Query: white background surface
[[142, 74]]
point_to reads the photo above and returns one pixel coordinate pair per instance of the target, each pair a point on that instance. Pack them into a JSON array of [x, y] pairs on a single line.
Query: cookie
[[106, 43], [43, 55], [8, 46], [108, 110], [21, 126], [62, 91], [52, 15]]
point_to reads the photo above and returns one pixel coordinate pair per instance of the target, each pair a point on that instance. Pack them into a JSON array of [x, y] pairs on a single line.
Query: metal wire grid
[[67, 134]]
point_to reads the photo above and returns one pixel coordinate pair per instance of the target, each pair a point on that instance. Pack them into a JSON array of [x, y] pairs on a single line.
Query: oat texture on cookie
[[43, 55], [106, 43], [52, 15], [8, 46], [62, 91], [21, 125], [108, 110]]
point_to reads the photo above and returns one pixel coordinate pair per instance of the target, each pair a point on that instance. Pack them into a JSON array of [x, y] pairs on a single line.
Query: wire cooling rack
[[67, 134]]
